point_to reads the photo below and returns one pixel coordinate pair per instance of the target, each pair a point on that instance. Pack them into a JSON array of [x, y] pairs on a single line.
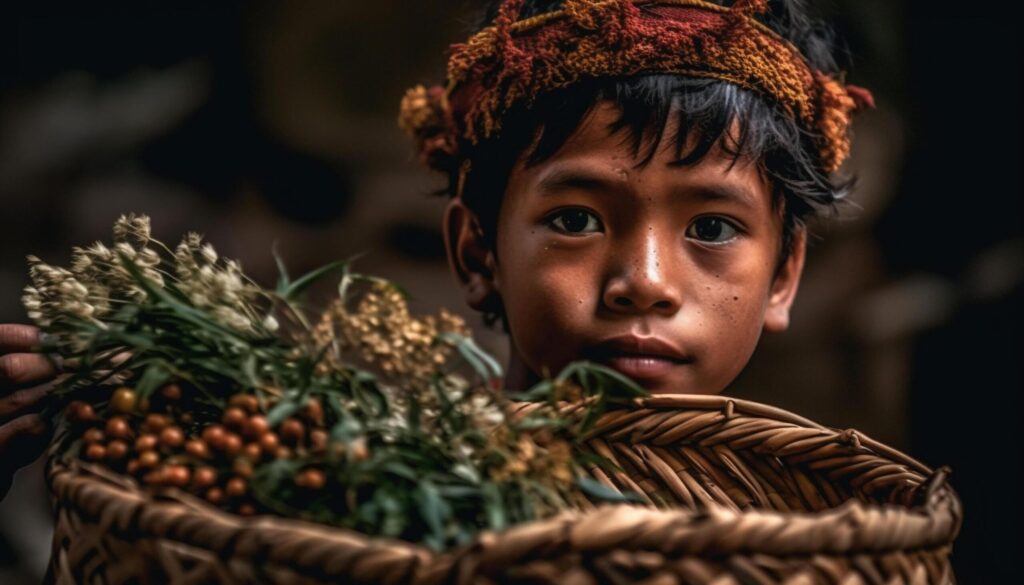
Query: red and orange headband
[[512, 61]]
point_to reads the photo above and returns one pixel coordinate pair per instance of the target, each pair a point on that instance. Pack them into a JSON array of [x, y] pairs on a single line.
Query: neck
[[518, 377]]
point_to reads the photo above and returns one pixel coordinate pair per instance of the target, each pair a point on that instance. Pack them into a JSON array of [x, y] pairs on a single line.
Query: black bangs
[[703, 112]]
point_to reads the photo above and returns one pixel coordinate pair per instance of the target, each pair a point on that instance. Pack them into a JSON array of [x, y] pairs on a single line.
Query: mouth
[[642, 358]]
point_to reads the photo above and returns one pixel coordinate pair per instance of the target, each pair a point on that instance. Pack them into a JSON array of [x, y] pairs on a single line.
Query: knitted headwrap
[[514, 60]]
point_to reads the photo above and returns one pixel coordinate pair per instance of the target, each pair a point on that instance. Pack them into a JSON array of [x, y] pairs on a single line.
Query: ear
[[776, 318], [472, 262]]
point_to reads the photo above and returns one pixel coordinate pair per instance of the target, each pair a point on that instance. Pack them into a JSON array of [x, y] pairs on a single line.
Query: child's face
[[663, 272]]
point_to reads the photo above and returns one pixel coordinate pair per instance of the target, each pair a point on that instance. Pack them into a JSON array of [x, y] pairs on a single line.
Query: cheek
[[733, 304], [548, 290]]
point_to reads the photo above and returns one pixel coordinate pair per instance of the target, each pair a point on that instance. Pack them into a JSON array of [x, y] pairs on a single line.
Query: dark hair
[[705, 109]]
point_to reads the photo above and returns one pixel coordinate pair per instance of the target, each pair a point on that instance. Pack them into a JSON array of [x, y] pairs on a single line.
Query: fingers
[[18, 338], [24, 428], [24, 401], [18, 369]]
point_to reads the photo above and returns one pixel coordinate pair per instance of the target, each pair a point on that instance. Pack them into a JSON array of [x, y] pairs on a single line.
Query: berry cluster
[[159, 442]]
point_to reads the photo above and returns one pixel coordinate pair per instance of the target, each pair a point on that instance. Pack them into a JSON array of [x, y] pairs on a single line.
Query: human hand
[[26, 377]]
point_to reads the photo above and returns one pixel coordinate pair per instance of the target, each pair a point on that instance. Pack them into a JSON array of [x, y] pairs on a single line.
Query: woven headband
[[513, 61]]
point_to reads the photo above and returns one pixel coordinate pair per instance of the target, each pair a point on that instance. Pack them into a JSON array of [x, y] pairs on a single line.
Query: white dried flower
[[148, 258], [99, 252], [270, 323], [132, 229], [209, 254], [31, 299], [81, 262], [124, 249], [232, 318]]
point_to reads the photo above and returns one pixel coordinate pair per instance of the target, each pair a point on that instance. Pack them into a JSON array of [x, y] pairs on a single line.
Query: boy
[[629, 181]]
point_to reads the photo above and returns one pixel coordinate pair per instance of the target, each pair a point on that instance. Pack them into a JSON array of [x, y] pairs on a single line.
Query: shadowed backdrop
[[259, 122]]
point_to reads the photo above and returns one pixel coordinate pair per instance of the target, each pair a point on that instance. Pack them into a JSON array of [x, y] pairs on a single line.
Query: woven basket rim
[[851, 528]]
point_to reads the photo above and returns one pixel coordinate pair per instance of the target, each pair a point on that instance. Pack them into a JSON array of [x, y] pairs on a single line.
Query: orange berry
[[123, 400], [235, 487], [172, 437], [318, 440], [234, 417], [155, 422], [252, 451], [358, 449], [242, 468], [292, 431], [149, 459], [247, 402], [197, 448], [133, 466], [95, 452], [146, 442], [214, 436], [117, 428], [117, 450], [177, 475], [79, 410], [232, 444], [215, 495], [283, 453], [185, 418], [204, 477], [269, 442], [256, 426], [311, 478], [246, 510], [171, 392], [314, 411], [93, 435]]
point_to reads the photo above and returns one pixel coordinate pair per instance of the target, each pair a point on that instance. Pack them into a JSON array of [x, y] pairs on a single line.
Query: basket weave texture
[[737, 492]]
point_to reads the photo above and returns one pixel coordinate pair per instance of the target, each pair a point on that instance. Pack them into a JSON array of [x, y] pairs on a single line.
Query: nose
[[642, 280]]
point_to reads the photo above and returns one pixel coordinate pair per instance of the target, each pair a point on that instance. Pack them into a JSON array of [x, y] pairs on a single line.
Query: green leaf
[[282, 410], [624, 387], [293, 289], [596, 489], [154, 376], [346, 430], [485, 366], [497, 519], [434, 511], [283, 280]]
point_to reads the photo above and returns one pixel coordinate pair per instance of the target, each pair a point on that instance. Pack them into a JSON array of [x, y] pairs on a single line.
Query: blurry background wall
[[259, 121]]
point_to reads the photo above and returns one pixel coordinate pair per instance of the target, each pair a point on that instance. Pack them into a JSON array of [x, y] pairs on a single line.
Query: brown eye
[[575, 221], [712, 230]]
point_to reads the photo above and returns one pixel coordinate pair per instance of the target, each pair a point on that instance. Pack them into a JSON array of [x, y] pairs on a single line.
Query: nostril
[[663, 304], [622, 301]]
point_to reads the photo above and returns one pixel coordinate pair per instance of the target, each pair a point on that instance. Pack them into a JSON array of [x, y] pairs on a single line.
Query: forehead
[[597, 152]]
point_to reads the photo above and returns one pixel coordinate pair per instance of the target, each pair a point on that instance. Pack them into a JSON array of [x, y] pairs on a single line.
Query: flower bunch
[[188, 375]]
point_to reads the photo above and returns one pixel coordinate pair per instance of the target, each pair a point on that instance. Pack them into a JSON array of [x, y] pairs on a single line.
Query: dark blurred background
[[259, 121]]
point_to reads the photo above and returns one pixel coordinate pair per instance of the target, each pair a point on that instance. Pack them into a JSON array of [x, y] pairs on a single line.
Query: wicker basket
[[754, 494]]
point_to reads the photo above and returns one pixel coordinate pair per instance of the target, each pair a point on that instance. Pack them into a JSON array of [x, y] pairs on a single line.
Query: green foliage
[[432, 461]]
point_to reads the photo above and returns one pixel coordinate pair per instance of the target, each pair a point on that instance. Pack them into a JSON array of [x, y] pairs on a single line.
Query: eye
[[575, 221], [712, 229]]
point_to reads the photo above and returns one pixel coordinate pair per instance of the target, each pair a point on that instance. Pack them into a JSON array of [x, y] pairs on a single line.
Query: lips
[[639, 357]]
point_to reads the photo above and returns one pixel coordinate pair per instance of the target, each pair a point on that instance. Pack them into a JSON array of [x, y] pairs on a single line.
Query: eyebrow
[[573, 177], [562, 178]]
